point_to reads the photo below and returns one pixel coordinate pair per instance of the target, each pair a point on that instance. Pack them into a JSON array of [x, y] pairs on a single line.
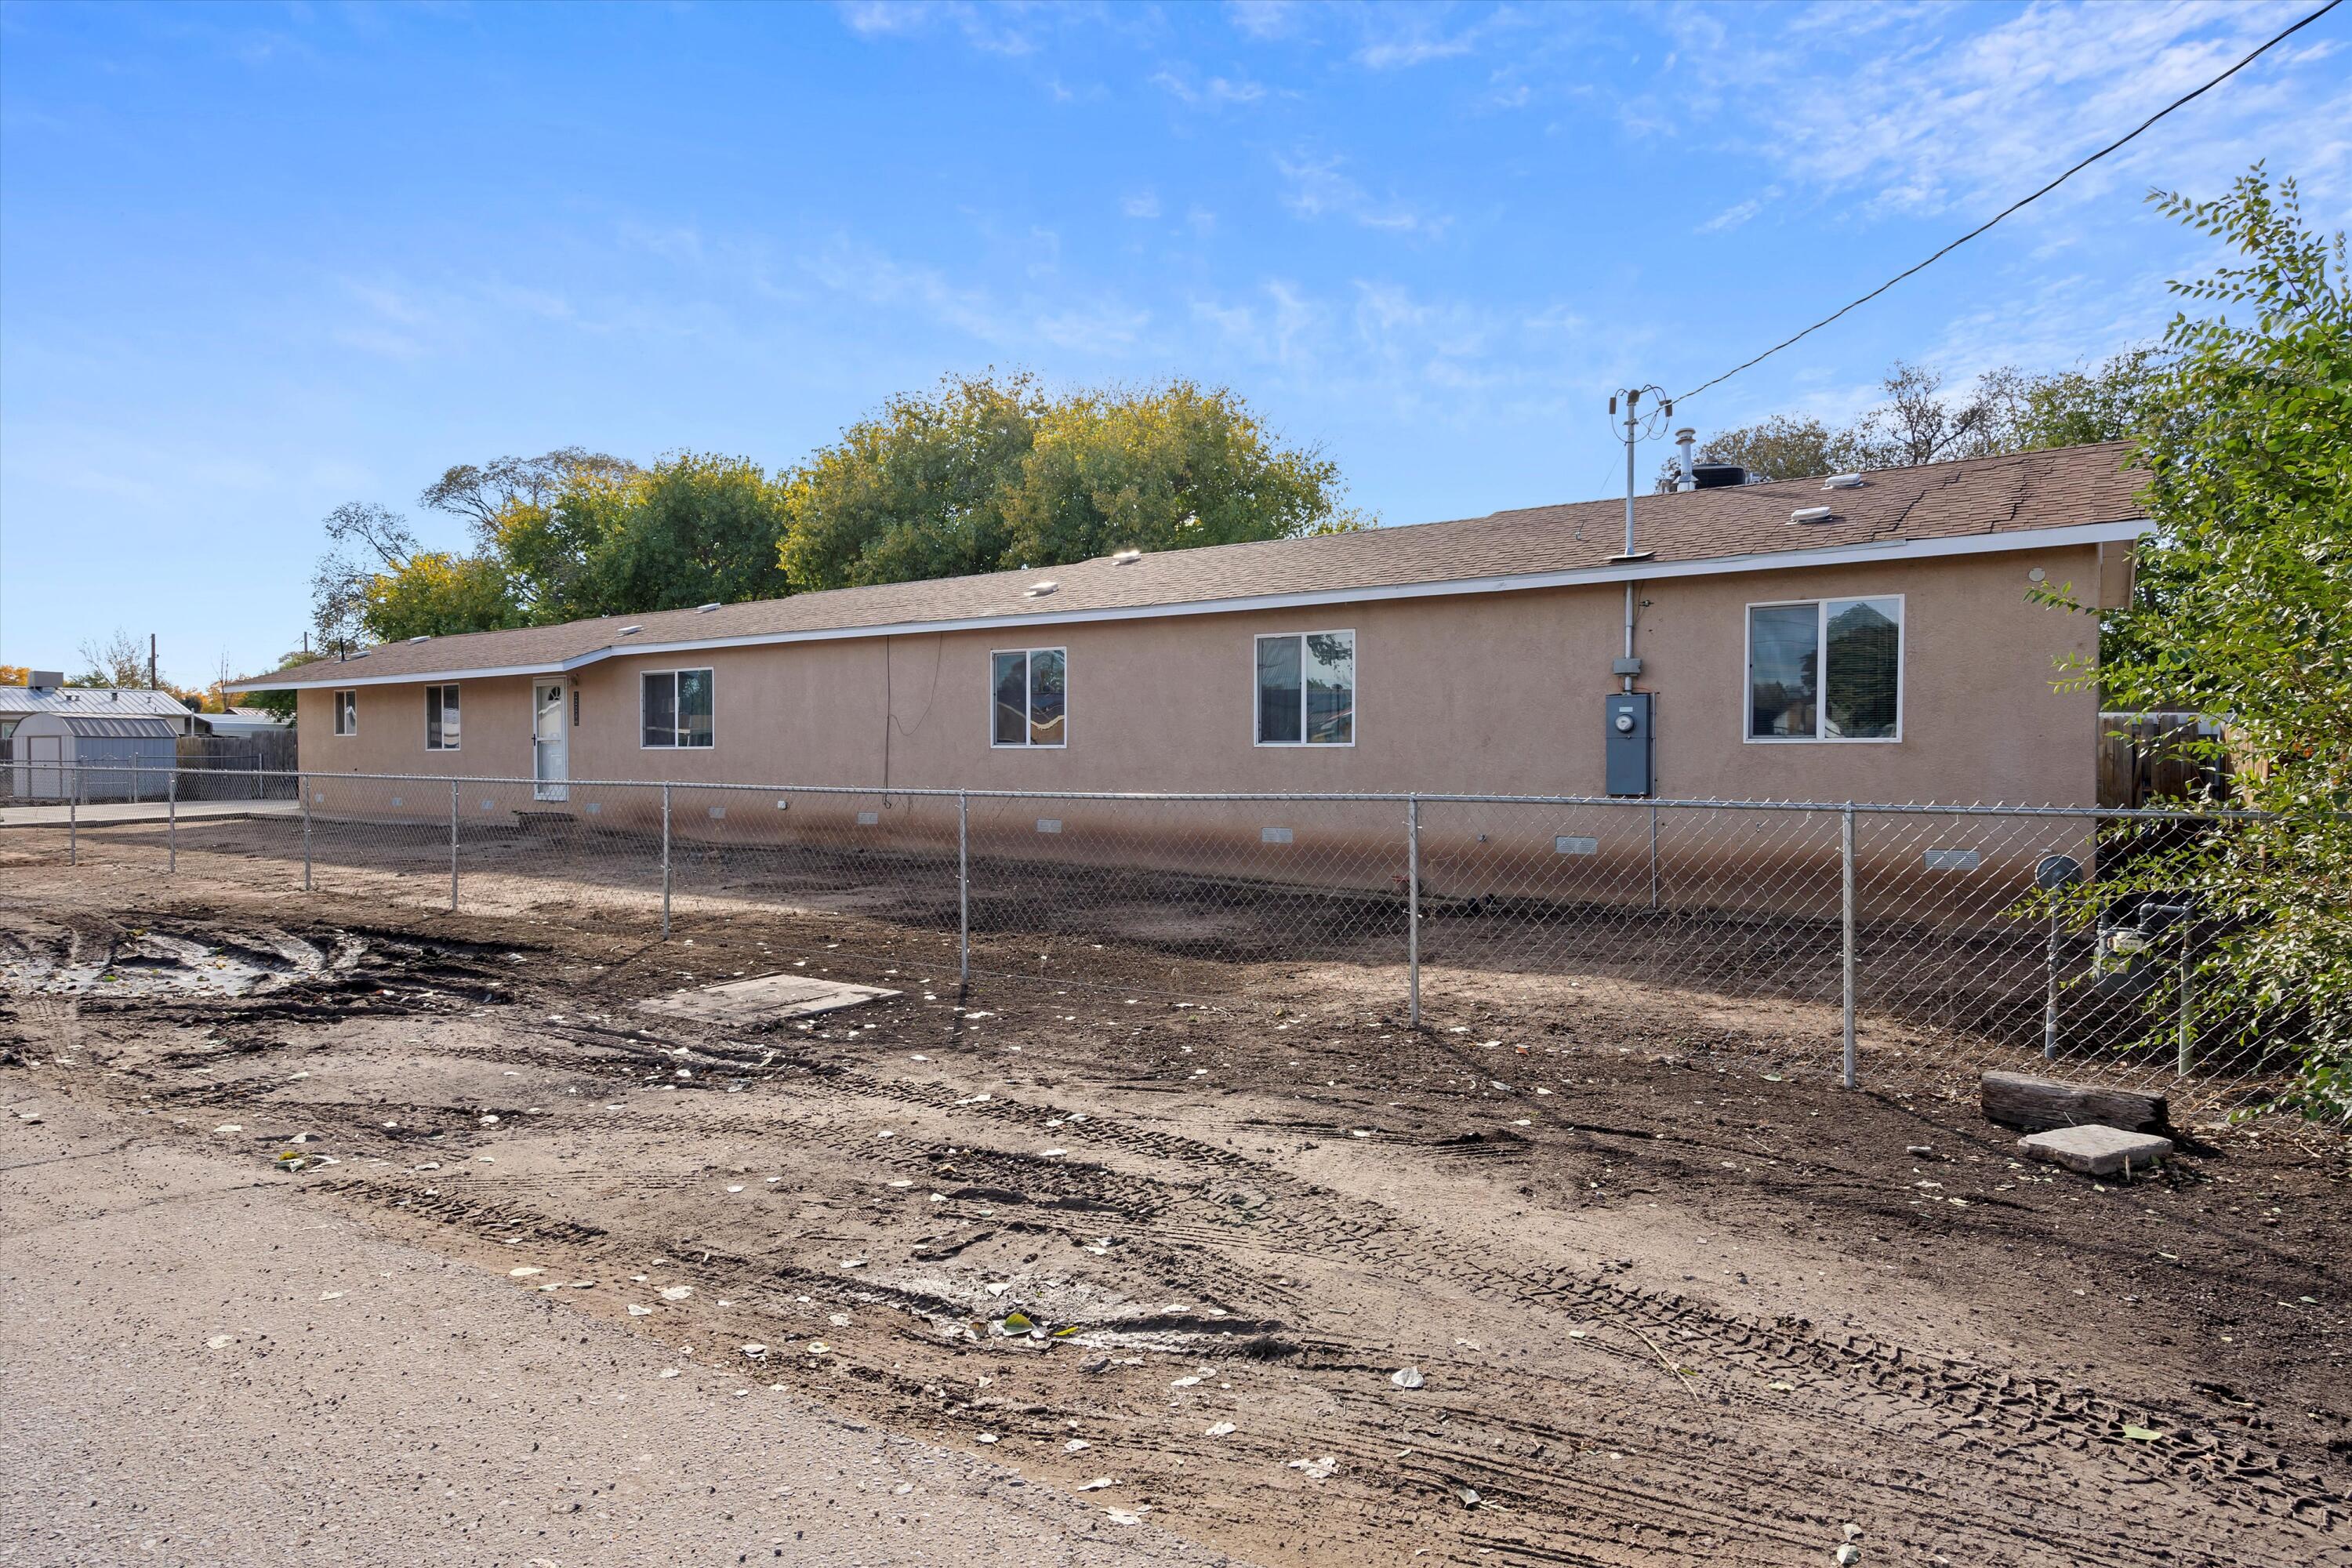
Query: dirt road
[[1302, 1285], [208, 1365]]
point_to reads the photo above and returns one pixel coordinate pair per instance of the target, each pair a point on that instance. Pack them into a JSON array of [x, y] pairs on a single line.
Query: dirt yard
[[1559, 1281]]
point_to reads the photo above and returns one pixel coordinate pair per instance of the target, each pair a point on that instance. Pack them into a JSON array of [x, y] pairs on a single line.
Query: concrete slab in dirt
[[2095, 1150], [764, 998]]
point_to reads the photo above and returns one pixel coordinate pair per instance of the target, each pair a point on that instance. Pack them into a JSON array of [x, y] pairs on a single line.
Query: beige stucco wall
[[1494, 694]]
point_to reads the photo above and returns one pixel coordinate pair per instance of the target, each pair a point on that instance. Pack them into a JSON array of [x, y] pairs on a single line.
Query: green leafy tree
[[2247, 440], [1163, 470], [482, 494], [282, 703], [1782, 447], [695, 530], [916, 492], [991, 475], [2004, 410], [436, 594]]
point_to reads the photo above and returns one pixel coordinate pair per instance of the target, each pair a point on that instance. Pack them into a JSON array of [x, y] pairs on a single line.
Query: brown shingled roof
[[2061, 487]]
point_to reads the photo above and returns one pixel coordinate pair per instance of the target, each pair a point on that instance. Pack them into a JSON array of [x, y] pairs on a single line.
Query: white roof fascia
[[1870, 551], [343, 682], [1646, 572]]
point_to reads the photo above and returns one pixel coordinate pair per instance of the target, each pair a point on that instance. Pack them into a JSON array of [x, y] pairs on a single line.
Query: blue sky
[[258, 261]]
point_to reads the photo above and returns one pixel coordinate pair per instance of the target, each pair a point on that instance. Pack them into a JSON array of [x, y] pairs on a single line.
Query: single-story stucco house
[[1864, 639]]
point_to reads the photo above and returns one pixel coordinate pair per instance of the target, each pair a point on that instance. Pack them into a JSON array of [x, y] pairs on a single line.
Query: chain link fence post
[[171, 821], [2050, 990], [453, 847], [1845, 877], [1654, 859], [302, 783], [2188, 1036], [73, 816], [1413, 909], [665, 862], [964, 886]]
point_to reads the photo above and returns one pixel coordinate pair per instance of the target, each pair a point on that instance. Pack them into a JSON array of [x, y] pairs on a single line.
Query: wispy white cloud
[[1925, 110], [1317, 188], [1407, 37], [993, 29], [1141, 204], [1739, 212], [1408, 354], [1731, 217], [1100, 322], [1268, 19], [1216, 92]]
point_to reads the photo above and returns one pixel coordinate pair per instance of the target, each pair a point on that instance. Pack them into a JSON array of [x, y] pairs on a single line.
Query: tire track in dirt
[[1315, 1222]]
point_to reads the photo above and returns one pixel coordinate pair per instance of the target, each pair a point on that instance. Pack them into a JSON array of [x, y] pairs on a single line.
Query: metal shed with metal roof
[[93, 756]]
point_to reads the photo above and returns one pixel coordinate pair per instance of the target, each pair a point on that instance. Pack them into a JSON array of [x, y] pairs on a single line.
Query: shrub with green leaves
[[2243, 612]]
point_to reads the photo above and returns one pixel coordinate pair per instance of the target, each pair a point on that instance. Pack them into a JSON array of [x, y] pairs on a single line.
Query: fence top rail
[[1621, 803]]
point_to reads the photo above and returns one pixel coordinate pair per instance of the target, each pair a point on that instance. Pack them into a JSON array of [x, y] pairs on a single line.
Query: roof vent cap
[[1842, 483], [706, 609], [427, 638], [1039, 590], [1811, 514], [624, 631], [1126, 557]]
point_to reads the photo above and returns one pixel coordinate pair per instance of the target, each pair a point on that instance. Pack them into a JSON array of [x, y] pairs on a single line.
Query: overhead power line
[[2021, 202]]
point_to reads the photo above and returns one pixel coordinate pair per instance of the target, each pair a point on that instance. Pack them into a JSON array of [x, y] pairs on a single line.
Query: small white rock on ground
[[2095, 1150]]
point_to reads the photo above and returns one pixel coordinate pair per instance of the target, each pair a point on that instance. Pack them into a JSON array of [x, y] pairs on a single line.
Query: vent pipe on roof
[[1683, 439]]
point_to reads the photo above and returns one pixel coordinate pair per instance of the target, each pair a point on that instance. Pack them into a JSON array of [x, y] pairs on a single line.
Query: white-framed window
[[1307, 689], [347, 712], [1028, 696], [441, 718], [1825, 669], [674, 709]]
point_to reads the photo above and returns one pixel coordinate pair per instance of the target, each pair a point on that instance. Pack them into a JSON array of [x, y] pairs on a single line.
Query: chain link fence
[[1904, 944]]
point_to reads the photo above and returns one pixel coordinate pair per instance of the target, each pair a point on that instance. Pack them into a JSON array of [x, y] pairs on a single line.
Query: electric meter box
[[1630, 753]]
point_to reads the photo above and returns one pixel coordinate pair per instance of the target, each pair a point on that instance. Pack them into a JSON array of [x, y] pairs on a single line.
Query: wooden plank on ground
[[2021, 1100]]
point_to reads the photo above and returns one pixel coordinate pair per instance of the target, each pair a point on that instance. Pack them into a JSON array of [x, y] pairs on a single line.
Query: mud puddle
[[157, 962]]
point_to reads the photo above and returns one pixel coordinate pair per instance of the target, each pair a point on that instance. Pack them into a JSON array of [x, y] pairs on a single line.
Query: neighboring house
[[126, 732], [1798, 641], [243, 722], [46, 693]]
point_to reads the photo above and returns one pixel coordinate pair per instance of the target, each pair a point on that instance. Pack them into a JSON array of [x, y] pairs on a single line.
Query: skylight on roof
[[1126, 557], [1040, 590], [624, 631], [706, 609]]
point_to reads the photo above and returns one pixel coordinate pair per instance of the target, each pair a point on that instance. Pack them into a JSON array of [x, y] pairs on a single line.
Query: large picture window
[[1307, 690], [676, 707], [440, 718], [1028, 699], [347, 712], [1825, 669]]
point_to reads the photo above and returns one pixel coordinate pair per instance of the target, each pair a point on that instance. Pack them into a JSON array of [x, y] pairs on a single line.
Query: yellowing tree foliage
[[987, 473]]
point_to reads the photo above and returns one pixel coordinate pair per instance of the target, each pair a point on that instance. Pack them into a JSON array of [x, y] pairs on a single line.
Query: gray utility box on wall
[[1630, 753]]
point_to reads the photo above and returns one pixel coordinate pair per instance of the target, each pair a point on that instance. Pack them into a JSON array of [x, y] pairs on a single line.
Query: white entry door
[[48, 783], [549, 744]]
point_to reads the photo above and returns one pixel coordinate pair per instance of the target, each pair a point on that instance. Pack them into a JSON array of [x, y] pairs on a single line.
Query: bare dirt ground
[[1669, 1295]]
